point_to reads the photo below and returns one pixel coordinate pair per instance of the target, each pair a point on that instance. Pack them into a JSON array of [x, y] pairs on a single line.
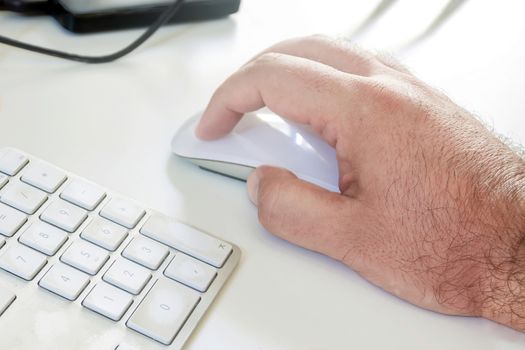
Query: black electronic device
[[87, 16], [99, 15]]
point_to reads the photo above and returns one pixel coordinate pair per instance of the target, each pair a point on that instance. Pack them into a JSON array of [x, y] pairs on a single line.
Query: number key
[[85, 257], [44, 238], [164, 310], [64, 281], [146, 252], [104, 234], [64, 215], [22, 261], [128, 276], [108, 301]]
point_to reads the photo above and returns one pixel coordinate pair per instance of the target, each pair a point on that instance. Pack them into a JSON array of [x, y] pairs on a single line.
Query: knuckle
[[390, 61], [323, 38], [382, 95], [267, 59], [321, 82]]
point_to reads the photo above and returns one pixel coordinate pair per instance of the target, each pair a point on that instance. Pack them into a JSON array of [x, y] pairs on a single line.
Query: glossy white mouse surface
[[261, 139]]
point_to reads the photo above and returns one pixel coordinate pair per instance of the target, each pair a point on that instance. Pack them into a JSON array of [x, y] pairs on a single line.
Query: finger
[[295, 88], [303, 213], [337, 53], [390, 61]]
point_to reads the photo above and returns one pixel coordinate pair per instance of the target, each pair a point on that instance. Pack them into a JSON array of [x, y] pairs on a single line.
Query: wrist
[[504, 302], [503, 296]]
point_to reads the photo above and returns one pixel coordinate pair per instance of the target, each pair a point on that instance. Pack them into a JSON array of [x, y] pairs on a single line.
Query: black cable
[[161, 20]]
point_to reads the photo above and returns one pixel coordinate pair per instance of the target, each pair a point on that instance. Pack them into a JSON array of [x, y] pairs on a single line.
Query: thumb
[[300, 212]]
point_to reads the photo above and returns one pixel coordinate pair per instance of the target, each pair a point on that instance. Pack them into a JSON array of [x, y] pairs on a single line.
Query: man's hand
[[432, 204]]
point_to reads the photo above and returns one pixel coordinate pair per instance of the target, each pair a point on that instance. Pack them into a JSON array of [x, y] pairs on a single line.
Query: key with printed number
[[104, 234], [64, 281], [163, 311], [10, 220], [95, 254], [22, 197], [12, 161], [83, 194], [146, 252], [191, 272], [123, 212], [43, 237], [44, 176], [187, 239], [128, 276], [22, 261], [85, 257], [108, 301], [64, 215]]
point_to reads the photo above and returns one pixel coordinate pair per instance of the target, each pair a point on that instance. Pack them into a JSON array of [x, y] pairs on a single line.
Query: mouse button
[[247, 122], [263, 122]]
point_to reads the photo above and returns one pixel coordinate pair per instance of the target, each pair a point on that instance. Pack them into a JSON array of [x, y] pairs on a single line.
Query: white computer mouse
[[261, 139]]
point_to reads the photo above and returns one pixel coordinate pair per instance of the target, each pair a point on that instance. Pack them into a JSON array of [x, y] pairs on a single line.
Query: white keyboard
[[84, 268]]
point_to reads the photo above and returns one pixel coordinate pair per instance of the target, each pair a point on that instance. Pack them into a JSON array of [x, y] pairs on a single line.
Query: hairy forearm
[[503, 300], [481, 270], [503, 297]]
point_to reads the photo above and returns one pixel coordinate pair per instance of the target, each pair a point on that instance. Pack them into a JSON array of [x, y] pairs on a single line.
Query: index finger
[[295, 88]]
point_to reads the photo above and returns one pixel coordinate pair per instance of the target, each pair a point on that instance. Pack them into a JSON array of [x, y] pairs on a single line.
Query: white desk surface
[[113, 123]]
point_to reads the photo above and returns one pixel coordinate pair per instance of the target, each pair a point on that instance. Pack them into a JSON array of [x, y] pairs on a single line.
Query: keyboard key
[[64, 281], [10, 220], [104, 234], [108, 301], [44, 176], [163, 311], [85, 257], [11, 161], [22, 197], [22, 261], [45, 238], [123, 212], [187, 239], [128, 276], [64, 215], [3, 180], [6, 299], [191, 272], [146, 252], [83, 194], [79, 242]]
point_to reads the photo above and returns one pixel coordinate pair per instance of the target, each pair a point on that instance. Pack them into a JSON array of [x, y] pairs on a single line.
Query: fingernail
[[253, 186]]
